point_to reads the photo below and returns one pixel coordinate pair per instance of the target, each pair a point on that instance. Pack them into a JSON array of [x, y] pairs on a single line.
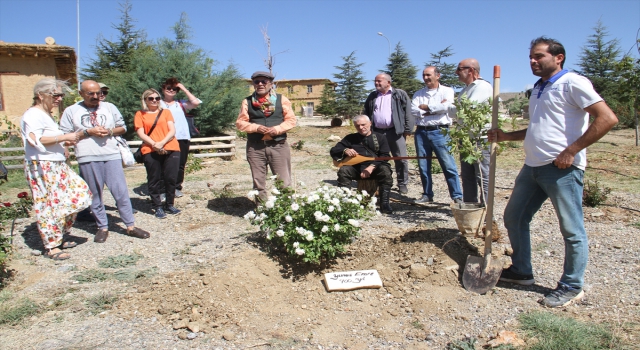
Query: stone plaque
[[350, 280]]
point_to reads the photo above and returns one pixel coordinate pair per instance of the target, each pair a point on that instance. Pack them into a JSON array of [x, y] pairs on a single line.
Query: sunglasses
[[98, 93], [151, 99], [169, 88], [105, 93], [263, 82], [57, 95]]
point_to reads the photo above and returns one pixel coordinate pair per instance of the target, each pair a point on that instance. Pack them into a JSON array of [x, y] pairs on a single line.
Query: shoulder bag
[[137, 155]]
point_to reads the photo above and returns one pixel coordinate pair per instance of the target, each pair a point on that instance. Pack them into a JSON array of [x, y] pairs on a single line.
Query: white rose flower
[[301, 230], [273, 177], [309, 236], [359, 197], [252, 194], [325, 218], [335, 201], [365, 193], [296, 244], [275, 191], [325, 229], [295, 206], [354, 223], [336, 227], [288, 218], [299, 251], [317, 214], [280, 233], [302, 184], [331, 209], [268, 236], [269, 204], [250, 215]]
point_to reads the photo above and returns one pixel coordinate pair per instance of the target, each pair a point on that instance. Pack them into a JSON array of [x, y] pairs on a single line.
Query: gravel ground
[[206, 281]]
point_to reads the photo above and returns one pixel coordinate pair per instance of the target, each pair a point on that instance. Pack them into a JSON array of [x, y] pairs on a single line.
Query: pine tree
[[598, 60], [351, 91], [116, 55], [403, 73], [448, 75], [328, 106], [221, 92]]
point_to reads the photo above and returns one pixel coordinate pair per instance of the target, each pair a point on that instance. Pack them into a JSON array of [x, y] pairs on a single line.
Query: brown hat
[[103, 86], [261, 74]]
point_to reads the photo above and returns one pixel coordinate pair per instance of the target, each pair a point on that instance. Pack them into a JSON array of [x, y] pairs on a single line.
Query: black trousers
[[162, 173], [184, 154], [381, 174]]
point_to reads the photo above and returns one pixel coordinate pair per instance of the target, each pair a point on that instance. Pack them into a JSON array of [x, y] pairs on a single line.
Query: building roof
[[64, 56]]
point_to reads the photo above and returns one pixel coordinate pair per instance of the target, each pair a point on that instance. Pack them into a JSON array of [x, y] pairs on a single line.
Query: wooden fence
[[224, 146]]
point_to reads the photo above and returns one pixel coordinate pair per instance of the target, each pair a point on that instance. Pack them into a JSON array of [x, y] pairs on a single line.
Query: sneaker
[[424, 199], [163, 197], [179, 194], [170, 209], [509, 276], [458, 201], [563, 295], [403, 189], [160, 214]]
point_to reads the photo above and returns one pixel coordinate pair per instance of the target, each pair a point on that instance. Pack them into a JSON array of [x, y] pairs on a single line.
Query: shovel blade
[[478, 278]]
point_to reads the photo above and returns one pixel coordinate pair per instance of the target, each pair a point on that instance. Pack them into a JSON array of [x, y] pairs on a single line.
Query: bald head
[[90, 92], [468, 70]]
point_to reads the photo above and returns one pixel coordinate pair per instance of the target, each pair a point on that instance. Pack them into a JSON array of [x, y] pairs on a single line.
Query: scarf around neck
[[266, 103]]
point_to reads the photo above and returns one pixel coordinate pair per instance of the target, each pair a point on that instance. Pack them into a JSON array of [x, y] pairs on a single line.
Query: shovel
[[482, 274]]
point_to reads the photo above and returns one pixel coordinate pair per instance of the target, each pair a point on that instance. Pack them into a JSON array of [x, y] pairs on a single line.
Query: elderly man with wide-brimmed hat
[[266, 117]]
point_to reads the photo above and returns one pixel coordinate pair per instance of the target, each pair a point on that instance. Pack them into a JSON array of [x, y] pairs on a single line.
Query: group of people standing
[[555, 150], [93, 127]]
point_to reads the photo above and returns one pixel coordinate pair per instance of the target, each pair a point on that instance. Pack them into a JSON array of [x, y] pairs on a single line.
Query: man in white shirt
[[478, 90], [430, 107], [555, 158]]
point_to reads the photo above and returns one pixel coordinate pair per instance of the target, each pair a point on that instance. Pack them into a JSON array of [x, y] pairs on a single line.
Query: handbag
[[193, 130], [137, 155], [125, 152]]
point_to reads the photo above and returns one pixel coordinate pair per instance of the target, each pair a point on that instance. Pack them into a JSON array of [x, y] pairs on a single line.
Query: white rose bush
[[314, 226]]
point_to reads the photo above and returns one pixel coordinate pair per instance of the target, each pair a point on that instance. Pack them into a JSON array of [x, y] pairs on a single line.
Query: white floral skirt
[[58, 195]]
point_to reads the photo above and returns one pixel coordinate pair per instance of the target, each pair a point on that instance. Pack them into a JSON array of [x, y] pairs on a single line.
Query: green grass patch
[[133, 274], [119, 261], [5, 295], [13, 315], [635, 224], [101, 302], [90, 276], [555, 332]]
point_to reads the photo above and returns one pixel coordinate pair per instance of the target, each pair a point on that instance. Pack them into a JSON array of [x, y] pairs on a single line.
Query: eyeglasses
[[97, 93], [461, 68], [105, 93], [169, 88], [263, 82], [151, 99]]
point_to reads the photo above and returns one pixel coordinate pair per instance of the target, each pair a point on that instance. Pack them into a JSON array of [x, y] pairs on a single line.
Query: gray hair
[[386, 76], [48, 86], [358, 117]]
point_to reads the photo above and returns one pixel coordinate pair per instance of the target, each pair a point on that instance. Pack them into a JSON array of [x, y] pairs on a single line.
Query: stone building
[[23, 65], [304, 94]]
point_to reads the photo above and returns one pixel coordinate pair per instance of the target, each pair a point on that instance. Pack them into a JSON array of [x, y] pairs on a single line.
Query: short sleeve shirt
[[558, 119]]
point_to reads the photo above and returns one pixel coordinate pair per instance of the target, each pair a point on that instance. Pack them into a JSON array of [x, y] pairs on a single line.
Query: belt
[[432, 127], [268, 142], [383, 129]]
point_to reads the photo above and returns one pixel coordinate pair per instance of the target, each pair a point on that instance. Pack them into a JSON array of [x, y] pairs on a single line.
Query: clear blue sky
[[315, 34]]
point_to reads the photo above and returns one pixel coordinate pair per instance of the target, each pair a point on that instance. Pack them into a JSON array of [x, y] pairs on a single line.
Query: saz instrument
[[361, 159]]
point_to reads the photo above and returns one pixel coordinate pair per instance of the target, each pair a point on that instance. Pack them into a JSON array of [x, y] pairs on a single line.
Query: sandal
[[57, 256], [68, 245]]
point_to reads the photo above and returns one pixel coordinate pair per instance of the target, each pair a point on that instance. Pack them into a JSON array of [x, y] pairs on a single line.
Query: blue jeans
[[564, 187], [427, 143]]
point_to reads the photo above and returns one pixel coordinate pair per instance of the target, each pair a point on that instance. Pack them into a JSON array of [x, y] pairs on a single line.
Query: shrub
[[313, 226], [593, 194], [193, 164]]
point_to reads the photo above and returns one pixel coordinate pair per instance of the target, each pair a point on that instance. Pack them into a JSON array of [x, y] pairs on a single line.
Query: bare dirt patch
[[207, 279]]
